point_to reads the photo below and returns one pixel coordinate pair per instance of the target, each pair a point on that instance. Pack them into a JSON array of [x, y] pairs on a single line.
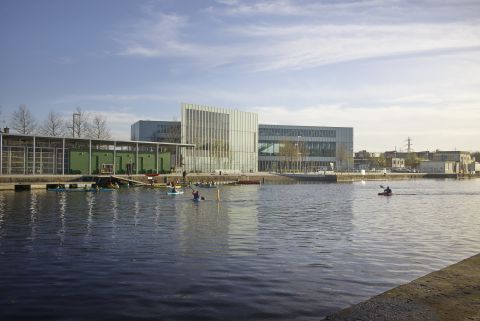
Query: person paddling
[[196, 195], [388, 190]]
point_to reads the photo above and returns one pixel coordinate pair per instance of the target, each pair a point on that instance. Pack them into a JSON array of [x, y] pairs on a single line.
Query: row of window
[[320, 149], [295, 166], [295, 132]]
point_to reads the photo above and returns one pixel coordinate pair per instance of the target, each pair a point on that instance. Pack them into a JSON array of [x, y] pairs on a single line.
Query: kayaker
[[388, 190], [196, 195]]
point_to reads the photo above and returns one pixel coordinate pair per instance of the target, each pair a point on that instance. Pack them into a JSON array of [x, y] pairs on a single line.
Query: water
[[269, 252]]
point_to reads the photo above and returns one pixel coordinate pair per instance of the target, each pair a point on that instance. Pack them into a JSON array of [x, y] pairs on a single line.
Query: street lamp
[[298, 152], [77, 115]]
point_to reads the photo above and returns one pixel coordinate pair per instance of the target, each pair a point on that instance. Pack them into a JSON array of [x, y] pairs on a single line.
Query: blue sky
[[391, 69]]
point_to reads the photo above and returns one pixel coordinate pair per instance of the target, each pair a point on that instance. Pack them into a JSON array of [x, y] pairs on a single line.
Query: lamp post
[[75, 115], [298, 152]]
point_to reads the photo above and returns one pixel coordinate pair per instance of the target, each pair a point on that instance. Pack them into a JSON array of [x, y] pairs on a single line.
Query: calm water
[[270, 252]]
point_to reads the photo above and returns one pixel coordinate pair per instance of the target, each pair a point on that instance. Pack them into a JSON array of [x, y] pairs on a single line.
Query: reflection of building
[[225, 139], [230, 229], [304, 148]]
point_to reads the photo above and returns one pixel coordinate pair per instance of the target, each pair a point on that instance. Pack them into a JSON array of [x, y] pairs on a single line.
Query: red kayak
[[385, 194]]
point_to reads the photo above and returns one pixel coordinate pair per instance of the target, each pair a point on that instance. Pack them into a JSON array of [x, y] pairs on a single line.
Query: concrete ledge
[[451, 294]]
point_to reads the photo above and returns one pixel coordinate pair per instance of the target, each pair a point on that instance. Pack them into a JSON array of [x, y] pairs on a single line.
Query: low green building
[[125, 162], [43, 155]]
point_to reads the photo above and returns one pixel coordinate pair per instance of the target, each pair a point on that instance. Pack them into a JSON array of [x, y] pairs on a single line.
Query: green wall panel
[[147, 161]]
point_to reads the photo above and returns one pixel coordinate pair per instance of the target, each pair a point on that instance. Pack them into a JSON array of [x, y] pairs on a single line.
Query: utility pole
[[409, 145]]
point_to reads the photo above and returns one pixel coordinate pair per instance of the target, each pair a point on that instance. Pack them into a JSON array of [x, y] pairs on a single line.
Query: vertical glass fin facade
[[225, 139]]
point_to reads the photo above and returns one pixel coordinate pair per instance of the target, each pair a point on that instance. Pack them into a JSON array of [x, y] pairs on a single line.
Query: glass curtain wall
[[284, 148], [226, 140]]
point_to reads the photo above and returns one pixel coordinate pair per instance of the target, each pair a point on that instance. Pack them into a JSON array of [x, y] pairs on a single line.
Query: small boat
[[385, 194], [152, 174]]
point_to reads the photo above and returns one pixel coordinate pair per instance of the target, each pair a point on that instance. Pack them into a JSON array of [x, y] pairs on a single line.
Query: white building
[[225, 139], [439, 167]]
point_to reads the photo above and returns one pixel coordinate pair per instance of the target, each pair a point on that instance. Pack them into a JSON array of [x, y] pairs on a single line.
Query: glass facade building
[[284, 148], [156, 131], [225, 139]]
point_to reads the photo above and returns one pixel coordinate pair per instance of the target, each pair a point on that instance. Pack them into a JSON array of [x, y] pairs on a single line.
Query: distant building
[[474, 167], [225, 139], [304, 148], [439, 167], [396, 162], [461, 157]]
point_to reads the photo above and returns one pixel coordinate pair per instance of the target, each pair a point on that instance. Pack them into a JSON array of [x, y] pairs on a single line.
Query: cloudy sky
[[392, 69]]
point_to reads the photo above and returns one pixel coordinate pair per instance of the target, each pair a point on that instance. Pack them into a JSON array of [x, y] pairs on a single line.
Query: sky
[[391, 69]]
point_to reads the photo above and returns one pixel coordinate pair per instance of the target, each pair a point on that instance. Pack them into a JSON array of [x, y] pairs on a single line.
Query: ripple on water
[[286, 252]]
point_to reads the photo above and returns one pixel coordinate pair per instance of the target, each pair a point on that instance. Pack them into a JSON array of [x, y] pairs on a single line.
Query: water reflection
[[33, 215], [90, 198], [62, 201], [227, 227], [2, 213], [271, 251], [242, 215], [114, 207]]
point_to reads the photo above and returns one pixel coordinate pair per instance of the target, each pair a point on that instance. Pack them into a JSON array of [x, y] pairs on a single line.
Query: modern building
[[156, 131], [41, 155], [225, 139], [304, 148]]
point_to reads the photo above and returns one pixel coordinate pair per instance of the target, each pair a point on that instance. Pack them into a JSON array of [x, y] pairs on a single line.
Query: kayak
[[385, 194], [175, 193]]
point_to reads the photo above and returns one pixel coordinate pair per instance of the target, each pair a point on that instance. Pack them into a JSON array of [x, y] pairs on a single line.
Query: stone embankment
[[451, 294]]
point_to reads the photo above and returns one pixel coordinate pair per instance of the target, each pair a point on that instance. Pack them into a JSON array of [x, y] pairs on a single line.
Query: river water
[[268, 252]]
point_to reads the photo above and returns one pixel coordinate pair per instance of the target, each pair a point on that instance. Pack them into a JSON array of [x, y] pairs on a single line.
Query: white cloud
[[281, 45]]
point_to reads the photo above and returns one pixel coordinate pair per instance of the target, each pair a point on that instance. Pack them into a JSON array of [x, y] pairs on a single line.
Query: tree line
[[80, 125]]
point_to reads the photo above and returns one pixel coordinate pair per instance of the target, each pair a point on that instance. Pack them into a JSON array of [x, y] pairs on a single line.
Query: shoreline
[[27, 182], [449, 294]]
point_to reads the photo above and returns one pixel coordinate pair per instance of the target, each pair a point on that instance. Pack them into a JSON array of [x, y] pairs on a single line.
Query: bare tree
[[23, 121], [173, 133], [98, 128], [79, 123], [54, 125]]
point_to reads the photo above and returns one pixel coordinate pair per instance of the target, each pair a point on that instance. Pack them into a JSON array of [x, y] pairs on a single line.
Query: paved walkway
[[451, 294]]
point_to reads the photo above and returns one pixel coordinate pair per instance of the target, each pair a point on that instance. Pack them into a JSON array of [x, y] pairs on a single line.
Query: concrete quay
[[22, 182], [450, 294]]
